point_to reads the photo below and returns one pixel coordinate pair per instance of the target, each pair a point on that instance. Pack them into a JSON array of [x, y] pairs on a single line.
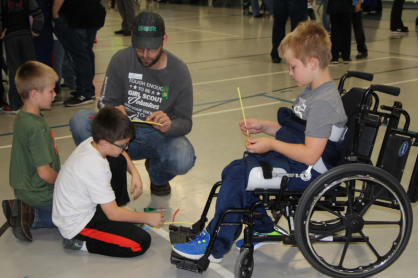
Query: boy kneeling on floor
[[307, 51], [34, 163], [91, 188]]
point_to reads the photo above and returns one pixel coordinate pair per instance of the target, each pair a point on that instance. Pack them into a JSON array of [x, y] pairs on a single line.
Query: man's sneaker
[[77, 100], [11, 109], [257, 245], [7, 210], [196, 248], [75, 94], [276, 60], [158, 190], [347, 61], [73, 244], [361, 55], [25, 215], [119, 32], [403, 30], [334, 61]]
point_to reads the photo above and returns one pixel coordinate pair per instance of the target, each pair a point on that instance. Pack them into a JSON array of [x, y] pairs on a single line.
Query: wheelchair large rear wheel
[[367, 235]]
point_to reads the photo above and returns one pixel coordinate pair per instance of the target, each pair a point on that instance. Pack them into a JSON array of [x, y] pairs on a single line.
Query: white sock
[[84, 247]]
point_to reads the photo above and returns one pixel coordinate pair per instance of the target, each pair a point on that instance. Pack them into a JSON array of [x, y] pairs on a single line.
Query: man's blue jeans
[[169, 156], [78, 44], [62, 67], [233, 194], [43, 218]]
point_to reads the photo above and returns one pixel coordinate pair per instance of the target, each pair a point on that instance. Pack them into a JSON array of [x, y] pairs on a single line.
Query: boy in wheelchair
[[310, 135]]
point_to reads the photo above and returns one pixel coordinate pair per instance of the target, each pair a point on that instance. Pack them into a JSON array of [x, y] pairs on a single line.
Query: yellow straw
[[145, 122], [243, 114]]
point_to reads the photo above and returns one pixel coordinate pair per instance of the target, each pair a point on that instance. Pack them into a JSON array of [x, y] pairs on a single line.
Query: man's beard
[[152, 61]]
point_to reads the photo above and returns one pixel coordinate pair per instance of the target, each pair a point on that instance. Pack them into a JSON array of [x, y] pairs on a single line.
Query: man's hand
[[3, 34], [34, 34], [156, 219], [357, 7], [161, 118], [259, 145], [136, 185]]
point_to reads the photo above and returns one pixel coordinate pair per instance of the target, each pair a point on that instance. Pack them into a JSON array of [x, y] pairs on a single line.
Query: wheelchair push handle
[[357, 74], [394, 91], [361, 75]]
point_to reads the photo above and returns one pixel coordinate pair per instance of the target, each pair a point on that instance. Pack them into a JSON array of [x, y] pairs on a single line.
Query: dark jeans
[[233, 194], [396, 15], [113, 238], [341, 35], [43, 218], [78, 43], [19, 49], [359, 31], [297, 10]]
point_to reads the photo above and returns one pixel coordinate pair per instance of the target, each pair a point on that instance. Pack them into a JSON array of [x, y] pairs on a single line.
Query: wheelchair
[[338, 220]]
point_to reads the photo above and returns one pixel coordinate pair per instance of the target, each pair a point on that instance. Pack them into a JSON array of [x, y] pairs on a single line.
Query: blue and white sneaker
[[196, 248], [257, 245]]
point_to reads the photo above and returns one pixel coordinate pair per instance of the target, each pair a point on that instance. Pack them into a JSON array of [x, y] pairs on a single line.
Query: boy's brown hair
[[111, 125], [33, 75], [308, 40]]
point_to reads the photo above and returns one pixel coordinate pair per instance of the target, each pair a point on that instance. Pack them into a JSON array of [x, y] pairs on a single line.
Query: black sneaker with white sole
[[403, 30], [77, 100]]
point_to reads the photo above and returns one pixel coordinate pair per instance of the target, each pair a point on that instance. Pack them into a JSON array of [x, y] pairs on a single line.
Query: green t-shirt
[[33, 146]]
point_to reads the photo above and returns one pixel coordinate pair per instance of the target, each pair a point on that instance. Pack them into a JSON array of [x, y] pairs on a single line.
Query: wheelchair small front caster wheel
[[244, 265]]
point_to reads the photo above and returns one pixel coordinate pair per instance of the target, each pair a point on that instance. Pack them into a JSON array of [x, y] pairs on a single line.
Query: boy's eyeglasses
[[124, 147]]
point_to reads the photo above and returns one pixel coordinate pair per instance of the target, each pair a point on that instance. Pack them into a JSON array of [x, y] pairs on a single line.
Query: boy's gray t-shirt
[[321, 108], [142, 90]]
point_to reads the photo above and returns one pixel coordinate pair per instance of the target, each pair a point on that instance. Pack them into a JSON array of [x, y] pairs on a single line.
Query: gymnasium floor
[[223, 50]]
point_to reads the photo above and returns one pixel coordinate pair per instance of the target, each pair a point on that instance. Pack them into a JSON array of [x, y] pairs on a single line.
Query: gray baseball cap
[[148, 31]]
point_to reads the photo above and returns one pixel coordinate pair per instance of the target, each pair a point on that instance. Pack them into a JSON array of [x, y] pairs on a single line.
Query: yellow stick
[[243, 114], [145, 122]]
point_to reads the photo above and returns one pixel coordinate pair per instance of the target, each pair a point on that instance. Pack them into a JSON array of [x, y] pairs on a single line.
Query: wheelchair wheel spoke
[[330, 211], [347, 242], [364, 210], [382, 223], [350, 187], [366, 239]]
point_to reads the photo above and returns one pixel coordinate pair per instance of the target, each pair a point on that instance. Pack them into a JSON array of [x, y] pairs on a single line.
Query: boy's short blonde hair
[[33, 75], [308, 40]]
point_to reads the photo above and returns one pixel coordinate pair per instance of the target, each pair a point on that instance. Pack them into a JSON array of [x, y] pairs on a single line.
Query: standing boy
[[34, 162], [307, 51], [89, 193]]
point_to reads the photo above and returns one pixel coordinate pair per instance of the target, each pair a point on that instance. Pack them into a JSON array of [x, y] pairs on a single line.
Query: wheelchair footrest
[[180, 234], [191, 265]]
